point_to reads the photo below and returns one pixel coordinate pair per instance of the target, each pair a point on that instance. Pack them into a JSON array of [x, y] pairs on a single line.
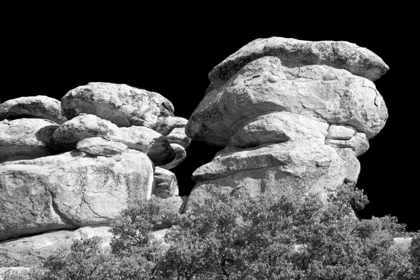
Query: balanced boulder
[[119, 103], [40, 106], [296, 53]]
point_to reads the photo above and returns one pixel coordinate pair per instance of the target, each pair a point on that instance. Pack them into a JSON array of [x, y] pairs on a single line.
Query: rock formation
[[289, 114], [72, 167]]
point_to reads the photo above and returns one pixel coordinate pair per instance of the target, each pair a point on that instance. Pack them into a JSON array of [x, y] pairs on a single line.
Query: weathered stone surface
[[340, 132], [97, 146], [264, 85], [306, 165], [279, 127], [358, 144], [139, 138], [296, 158], [178, 136], [119, 103], [169, 123], [40, 106], [180, 155], [30, 251], [26, 138], [166, 184], [296, 53], [70, 190]]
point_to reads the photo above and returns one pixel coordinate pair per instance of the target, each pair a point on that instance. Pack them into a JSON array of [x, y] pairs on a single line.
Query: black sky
[[172, 56]]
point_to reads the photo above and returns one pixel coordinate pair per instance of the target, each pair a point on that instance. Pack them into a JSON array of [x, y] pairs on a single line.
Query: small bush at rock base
[[235, 236]]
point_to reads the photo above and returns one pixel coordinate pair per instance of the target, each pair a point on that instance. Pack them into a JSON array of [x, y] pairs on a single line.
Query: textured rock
[[40, 106], [139, 138], [119, 103], [180, 155], [168, 124], [178, 136], [358, 144], [264, 86], [296, 53], [306, 165], [166, 184], [97, 146], [339, 132], [26, 139], [70, 190], [279, 127]]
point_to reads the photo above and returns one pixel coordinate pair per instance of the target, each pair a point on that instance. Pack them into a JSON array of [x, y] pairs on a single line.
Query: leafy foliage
[[235, 236]]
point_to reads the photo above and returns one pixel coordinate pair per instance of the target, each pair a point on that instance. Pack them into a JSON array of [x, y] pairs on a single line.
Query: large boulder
[[296, 53], [264, 86], [119, 103], [70, 190], [40, 106], [140, 138], [26, 139], [305, 165]]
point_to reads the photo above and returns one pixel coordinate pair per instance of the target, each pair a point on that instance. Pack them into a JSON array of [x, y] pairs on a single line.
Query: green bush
[[234, 236]]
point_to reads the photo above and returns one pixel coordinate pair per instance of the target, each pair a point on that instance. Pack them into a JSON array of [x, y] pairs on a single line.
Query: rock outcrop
[[74, 166], [289, 114]]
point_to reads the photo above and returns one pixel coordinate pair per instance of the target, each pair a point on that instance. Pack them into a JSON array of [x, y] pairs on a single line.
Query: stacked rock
[[79, 163], [290, 114]]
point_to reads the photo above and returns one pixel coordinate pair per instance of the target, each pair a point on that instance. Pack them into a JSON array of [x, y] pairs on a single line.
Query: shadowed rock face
[[290, 114]]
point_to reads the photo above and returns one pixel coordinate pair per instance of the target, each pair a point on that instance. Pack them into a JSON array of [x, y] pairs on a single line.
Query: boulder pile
[[75, 165], [289, 114]]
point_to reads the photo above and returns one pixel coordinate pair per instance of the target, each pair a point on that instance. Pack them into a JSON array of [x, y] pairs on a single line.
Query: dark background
[[171, 55]]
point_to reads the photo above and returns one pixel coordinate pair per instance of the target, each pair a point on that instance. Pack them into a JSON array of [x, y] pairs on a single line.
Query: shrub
[[235, 236]]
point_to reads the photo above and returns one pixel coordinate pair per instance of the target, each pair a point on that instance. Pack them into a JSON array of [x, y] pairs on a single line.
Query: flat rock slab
[[40, 106], [279, 127], [70, 190], [119, 103], [26, 139], [295, 53], [97, 146], [265, 86], [307, 165]]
